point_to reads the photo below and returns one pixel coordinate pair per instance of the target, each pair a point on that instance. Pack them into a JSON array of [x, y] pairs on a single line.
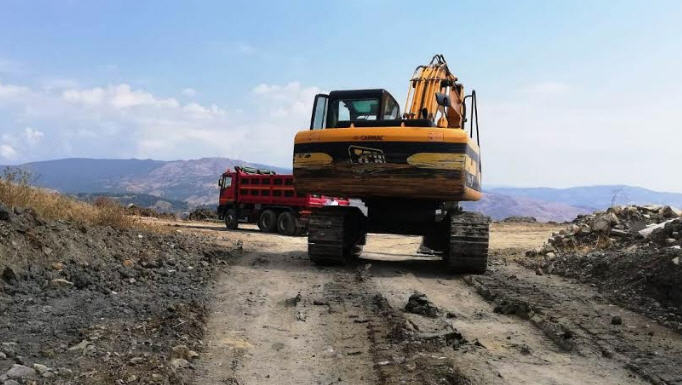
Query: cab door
[[227, 189]]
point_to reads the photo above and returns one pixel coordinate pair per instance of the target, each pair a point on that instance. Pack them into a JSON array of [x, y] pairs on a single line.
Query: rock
[[128, 262], [619, 233], [132, 378], [180, 351], [179, 363], [157, 377], [647, 231], [525, 349], [616, 320], [300, 316], [2, 356], [60, 282], [8, 275], [80, 346], [676, 260], [538, 271], [4, 213], [603, 223], [10, 382], [43, 370], [192, 355], [20, 372], [551, 255], [136, 360], [670, 212], [418, 303], [293, 301], [58, 266]]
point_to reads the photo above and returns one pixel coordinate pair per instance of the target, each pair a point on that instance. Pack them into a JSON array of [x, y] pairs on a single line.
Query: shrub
[[16, 191]]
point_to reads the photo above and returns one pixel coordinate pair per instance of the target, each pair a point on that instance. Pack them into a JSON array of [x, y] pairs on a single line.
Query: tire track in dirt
[[579, 320], [349, 327]]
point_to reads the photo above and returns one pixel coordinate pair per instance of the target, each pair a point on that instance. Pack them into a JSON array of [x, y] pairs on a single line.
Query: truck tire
[[267, 222], [286, 223], [231, 219]]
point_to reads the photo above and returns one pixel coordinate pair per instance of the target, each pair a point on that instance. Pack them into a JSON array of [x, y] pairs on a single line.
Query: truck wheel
[[231, 219], [286, 223], [267, 222]]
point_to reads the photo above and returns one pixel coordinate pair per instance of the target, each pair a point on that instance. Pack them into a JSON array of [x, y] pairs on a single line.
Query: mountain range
[[194, 182]]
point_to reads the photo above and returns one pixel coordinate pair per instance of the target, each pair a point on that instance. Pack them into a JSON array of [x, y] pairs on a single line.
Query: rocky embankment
[[95, 305], [632, 254]]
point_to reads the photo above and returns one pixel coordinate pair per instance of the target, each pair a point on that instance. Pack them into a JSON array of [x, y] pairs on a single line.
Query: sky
[[569, 92]]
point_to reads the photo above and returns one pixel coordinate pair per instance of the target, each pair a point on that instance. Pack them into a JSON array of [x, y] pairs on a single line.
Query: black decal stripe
[[395, 152]]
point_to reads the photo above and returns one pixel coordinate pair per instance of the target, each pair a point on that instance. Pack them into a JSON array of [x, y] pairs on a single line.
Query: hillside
[[193, 181], [594, 197], [500, 206]]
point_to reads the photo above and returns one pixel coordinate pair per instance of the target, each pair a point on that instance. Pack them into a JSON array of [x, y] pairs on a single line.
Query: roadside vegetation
[[16, 191]]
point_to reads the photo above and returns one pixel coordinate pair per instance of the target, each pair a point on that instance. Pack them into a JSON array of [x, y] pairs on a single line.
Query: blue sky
[[570, 93]]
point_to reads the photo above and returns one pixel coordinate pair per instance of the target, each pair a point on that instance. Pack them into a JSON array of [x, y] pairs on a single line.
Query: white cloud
[[33, 136], [8, 91], [119, 96], [122, 121], [7, 152], [189, 92], [551, 134]]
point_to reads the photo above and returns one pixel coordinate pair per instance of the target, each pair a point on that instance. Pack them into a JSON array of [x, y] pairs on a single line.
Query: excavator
[[411, 170]]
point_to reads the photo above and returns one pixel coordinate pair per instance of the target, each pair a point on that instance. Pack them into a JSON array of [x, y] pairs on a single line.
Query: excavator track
[[335, 235], [468, 249]]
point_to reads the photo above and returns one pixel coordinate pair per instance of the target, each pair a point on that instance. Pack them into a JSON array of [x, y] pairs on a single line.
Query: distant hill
[[593, 197], [192, 181], [499, 206]]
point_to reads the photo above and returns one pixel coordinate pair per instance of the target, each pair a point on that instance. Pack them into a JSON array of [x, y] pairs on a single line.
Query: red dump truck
[[251, 195]]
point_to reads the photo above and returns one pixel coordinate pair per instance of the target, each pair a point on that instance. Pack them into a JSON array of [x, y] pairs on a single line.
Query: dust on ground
[[279, 319]]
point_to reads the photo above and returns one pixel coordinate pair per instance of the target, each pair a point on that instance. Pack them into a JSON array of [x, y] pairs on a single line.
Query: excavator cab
[[354, 108]]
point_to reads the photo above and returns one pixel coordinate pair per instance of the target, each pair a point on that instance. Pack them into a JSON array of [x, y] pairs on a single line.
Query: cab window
[[353, 110], [391, 109], [226, 182], [319, 112]]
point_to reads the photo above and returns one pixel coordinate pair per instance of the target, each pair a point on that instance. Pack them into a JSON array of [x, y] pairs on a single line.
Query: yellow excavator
[[411, 170]]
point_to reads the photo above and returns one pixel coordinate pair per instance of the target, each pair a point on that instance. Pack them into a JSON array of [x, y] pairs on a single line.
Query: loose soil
[[97, 305], [258, 312], [278, 319]]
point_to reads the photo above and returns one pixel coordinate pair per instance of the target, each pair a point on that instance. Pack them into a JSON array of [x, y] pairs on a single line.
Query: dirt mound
[[203, 214], [94, 305], [631, 253], [418, 303]]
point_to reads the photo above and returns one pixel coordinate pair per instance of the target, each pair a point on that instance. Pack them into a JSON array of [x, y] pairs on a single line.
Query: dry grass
[[15, 191]]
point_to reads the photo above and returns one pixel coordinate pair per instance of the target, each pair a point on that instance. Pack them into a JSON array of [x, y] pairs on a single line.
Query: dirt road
[[278, 319]]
